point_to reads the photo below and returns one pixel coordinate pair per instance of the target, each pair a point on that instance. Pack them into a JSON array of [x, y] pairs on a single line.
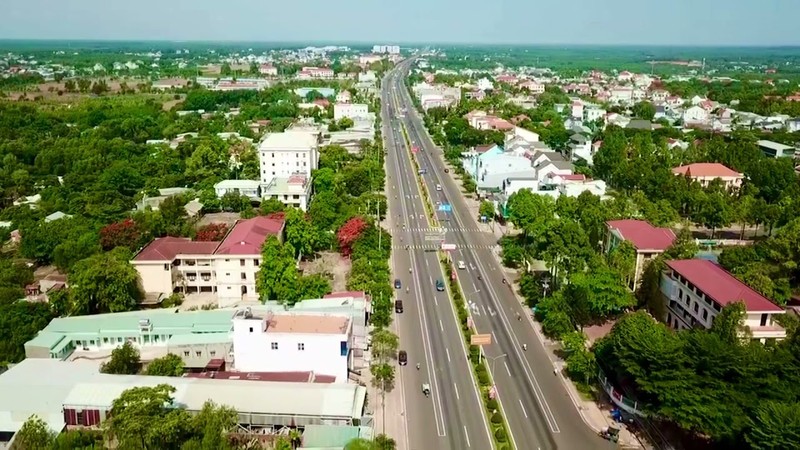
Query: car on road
[[402, 357], [461, 265], [397, 284], [398, 306], [438, 187], [439, 285]]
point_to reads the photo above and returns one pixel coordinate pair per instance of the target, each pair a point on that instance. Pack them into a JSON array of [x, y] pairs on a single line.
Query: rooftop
[[308, 324], [284, 377], [30, 387], [247, 236], [167, 248], [720, 286], [288, 140], [716, 170], [642, 235]]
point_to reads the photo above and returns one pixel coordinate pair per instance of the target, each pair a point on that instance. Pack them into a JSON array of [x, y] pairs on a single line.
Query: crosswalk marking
[[438, 247]]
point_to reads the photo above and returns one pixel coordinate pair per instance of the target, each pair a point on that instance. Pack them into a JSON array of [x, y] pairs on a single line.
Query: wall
[[253, 351], [207, 352], [230, 285], [153, 276]]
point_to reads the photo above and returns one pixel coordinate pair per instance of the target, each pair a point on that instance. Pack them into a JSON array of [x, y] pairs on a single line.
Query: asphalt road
[[539, 411], [452, 417]]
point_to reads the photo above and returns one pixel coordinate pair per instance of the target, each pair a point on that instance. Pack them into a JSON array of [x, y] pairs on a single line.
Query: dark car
[[398, 306], [439, 285], [397, 284], [402, 357]]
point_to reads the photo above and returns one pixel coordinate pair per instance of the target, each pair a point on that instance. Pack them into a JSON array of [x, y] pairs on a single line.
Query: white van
[[461, 265], [438, 187]]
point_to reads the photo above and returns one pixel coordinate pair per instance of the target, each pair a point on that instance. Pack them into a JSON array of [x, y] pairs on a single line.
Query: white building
[[484, 84], [591, 114], [344, 97], [286, 343], [268, 70], [285, 154], [695, 115], [227, 268], [247, 188], [294, 191], [312, 73], [696, 290], [350, 110]]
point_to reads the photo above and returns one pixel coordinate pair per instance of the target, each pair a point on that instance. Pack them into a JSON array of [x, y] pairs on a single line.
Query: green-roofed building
[[332, 437]]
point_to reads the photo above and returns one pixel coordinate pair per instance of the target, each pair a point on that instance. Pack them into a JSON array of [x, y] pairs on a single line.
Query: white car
[[461, 265], [438, 187]]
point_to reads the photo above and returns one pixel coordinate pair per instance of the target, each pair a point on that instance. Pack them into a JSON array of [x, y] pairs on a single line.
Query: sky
[[600, 22]]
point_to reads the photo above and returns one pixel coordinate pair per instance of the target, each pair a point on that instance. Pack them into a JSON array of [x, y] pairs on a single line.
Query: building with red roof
[[649, 241], [696, 290], [227, 268], [704, 173]]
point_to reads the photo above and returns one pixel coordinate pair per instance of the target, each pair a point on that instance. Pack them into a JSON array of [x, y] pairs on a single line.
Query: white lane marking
[[467, 436], [507, 369], [436, 302], [447, 350], [441, 327], [458, 397], [523, 408], [486, 314], [431, 278]]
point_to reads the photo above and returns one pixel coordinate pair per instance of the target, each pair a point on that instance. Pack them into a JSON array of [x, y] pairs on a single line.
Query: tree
[[622, 258], [384, 344], [716, 212], [170, 365], [486, 210], [144, 417], [234, 202], [775, 426], [271, 205], [34, 435], [644, 110], [596, 295], [106, 282], [349, 232], [125, 233], [211, 232], [124, 361], [729, 325], [300, 232], [277, 275]]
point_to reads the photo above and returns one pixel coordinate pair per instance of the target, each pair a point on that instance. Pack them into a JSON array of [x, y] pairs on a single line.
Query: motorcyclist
[[409, 270], [417, 366], [406, 289], [524, 346]]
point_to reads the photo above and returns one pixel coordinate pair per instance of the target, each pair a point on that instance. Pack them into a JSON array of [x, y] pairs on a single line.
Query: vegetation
[[124, 361], [170, 365]]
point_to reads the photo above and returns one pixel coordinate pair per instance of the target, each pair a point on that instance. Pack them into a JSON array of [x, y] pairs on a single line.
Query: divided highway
[[452, 417], [538, 409]]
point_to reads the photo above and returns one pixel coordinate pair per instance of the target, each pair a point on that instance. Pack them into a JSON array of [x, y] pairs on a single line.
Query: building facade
[[285, 154], [649, 242], [696, 290]]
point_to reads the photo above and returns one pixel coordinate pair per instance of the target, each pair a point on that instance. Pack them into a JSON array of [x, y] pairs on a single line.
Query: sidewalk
[[596, 416]]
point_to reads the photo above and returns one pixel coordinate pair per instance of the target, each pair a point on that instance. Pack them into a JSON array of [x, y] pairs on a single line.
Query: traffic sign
[[446, 207], [480, 339], [448, 247]]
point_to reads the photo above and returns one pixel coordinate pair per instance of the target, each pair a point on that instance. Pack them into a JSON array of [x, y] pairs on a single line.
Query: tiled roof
[[720, 286], [642, 235], [706, 170], [249, 235], [166, 248]]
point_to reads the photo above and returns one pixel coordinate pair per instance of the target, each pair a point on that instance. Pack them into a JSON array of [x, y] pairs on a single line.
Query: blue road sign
[[445, 207]]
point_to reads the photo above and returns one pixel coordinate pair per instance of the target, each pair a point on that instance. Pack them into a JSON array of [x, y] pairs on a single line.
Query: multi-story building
[[649, 242], [350, 110], [283, 343], [268, 70], [696, 290], [705, 173], [285, 154], [227, 268], [311, 73], [294, 191]]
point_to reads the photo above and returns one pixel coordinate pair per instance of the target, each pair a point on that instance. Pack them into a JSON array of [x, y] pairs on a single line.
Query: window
[[274, 345], [696, 307], [166, 266], [705, 314], [198, 354], [343, 348], [105, 340], [228, 273], [255, 262], [119, 339], [244, 276], [91, 342], [273, 155], [301, 346], [186, 354], [241, 262], [212, 353], [251, 329], [227, 260]]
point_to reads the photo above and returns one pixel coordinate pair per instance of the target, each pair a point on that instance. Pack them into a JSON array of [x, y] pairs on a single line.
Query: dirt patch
[[168, 105], [332, 265], [222, 217]]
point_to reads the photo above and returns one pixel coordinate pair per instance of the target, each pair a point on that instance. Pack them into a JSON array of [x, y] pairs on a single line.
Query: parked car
[[398, 306], [461, 265], [439, 285], [397, 284], [402, 357]]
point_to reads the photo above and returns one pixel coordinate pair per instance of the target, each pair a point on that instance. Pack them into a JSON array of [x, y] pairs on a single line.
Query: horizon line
[[405, 43]]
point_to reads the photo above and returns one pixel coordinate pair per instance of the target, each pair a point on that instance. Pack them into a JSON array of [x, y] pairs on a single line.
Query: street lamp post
[[494, 360]]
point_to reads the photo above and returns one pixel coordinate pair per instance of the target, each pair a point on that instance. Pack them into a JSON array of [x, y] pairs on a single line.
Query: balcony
[[768, 332]]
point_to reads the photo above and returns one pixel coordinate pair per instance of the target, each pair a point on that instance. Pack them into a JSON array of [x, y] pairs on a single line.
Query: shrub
[[500, 435], [491, 404], [480, 369], [483, 378], [497, 418]]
